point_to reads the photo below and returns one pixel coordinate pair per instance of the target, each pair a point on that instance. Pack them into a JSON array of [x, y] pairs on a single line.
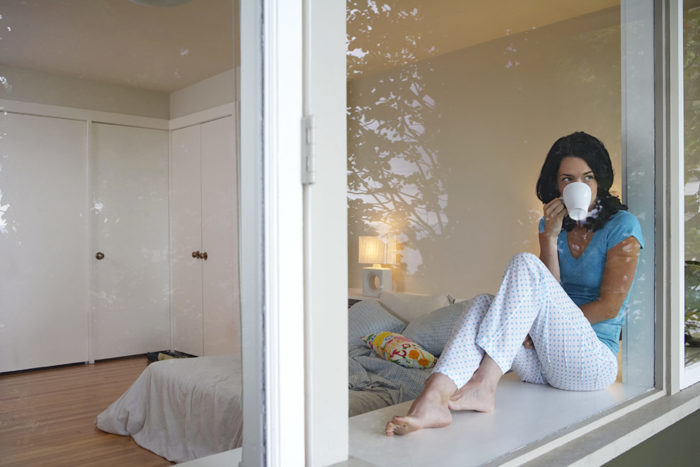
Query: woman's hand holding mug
[[554, 213]]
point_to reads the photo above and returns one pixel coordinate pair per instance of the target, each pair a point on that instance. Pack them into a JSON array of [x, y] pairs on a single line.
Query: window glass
[[450, 116], [691, 105], [118, 202], [452, 109]]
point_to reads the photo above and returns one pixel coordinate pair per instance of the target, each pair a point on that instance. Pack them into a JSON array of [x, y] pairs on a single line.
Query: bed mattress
[[181, 409]]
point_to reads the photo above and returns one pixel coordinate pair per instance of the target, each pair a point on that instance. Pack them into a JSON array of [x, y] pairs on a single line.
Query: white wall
[[211, 92], [44, 88], [462, 196]]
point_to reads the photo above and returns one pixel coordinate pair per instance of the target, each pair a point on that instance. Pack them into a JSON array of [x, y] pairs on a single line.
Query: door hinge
[[308, 174]]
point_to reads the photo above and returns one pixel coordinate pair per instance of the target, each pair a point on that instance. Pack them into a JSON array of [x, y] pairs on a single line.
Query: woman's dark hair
[[590, 149]]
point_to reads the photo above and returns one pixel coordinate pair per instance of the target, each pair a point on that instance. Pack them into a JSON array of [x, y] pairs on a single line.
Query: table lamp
[[373, 250]]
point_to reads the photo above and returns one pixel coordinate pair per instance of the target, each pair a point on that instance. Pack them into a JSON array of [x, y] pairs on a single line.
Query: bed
[[183, 409], [427, 320]]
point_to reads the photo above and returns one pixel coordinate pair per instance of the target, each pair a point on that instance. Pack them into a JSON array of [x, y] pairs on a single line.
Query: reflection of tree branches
[[393, 181], [691, 71], [396, 201]]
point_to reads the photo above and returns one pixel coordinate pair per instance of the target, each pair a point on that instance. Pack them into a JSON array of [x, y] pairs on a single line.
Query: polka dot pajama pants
[[567, 353]]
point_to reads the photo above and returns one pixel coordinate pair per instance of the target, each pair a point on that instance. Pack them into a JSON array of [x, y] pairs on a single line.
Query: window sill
[[221, 459], [527, 422], [608, 441], [535, 424]]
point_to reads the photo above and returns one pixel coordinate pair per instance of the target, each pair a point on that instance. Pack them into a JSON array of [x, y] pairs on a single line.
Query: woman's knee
[[525, 257], [482, 300], [526, 261]]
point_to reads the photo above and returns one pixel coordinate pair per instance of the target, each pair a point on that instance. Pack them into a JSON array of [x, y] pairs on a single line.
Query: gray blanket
[[375, 382], [181, 409]]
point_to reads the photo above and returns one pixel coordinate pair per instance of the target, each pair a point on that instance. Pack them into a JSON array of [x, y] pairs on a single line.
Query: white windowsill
[[529, 417], [525, 415], [227, 458]]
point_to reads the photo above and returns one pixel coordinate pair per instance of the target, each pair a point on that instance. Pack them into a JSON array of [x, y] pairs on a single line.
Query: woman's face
[[575, 169]]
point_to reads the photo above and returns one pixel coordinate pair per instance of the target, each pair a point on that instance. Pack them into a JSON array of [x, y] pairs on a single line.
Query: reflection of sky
[[3, 211], [393, 196], [3, 207]]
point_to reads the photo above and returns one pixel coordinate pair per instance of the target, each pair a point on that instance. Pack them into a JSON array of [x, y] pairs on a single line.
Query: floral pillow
[[400, 350]]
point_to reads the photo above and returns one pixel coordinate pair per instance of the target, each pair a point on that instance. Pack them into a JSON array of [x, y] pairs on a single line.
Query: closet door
[[129, 213], [43, 238], [186, 237], [220, 238]]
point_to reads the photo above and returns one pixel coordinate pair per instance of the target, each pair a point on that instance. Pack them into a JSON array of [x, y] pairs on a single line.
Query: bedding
[[408, 307], [375, 382], [431, 331], [181, 409], [400, 350]]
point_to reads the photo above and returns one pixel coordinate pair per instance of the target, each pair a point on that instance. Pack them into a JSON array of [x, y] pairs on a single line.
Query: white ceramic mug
[[577, 198]]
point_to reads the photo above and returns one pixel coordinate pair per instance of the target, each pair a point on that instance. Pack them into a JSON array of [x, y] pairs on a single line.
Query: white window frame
[[271, 232], [293, 236], [599, 439], [686, 375]]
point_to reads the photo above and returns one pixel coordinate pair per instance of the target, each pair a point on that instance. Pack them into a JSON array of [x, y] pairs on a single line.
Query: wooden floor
[[47, 416]]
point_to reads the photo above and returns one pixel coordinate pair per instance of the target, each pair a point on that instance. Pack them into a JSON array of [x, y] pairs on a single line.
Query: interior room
[[451, 111], [118, 219], [119, 209]]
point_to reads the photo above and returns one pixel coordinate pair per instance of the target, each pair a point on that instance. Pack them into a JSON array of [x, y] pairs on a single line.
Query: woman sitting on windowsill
[[556, 319]]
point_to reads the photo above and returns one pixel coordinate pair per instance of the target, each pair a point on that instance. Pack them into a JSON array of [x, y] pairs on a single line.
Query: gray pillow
[[367, 317], [432, 330]]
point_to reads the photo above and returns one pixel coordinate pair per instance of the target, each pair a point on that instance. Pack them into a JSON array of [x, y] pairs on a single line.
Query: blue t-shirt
[[581, 277]]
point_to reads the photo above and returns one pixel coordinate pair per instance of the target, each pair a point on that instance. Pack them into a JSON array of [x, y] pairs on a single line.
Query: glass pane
[[449, 122], [691, 104], [452, 108], [118, 205]]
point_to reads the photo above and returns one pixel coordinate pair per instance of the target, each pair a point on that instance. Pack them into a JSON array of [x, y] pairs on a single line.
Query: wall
[[211, 92], [676, 445], [445, 152], [44, 88]]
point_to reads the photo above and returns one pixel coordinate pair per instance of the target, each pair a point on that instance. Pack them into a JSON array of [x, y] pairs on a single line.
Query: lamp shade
[[390, 251], [374, 250], [371, 250]]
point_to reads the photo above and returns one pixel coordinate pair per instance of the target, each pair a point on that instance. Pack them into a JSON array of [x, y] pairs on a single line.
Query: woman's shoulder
[[622, 218], [621, 225]]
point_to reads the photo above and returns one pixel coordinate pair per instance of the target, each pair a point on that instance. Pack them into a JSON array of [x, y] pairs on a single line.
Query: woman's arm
[[554, 213], [549, 254], [620, 267]]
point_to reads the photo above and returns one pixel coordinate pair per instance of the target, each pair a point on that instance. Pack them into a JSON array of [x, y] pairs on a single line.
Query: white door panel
[[43, 238], [220, 238], [186, 237], [129, 214]]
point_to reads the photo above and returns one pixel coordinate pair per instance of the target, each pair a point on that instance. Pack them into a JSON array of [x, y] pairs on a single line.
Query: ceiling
[[165, 49], [411, 30], [119, 42]]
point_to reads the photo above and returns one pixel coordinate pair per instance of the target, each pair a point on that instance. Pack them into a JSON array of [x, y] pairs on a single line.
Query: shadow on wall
[[399, 190], [444, 151]]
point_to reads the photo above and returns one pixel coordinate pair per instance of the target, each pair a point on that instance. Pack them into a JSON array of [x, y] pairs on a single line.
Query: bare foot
[[478, 396], [428, 411]]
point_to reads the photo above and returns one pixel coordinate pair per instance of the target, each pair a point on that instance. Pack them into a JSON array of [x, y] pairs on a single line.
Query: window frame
[[668, 351], [271, 235], [687, 375]]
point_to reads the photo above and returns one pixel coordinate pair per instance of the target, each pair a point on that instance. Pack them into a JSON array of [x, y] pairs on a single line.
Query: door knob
[[100, 255], [196, 254], [204, 256]]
